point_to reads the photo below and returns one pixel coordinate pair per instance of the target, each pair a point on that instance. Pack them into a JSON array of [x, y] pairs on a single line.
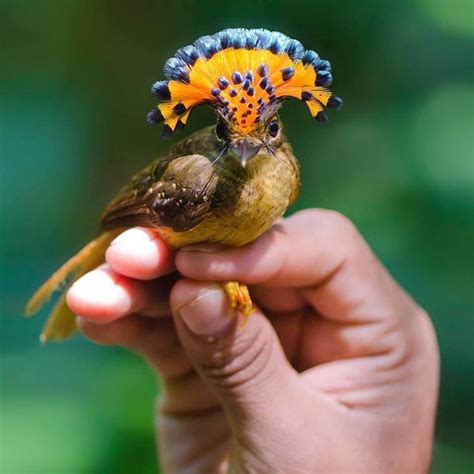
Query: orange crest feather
[[244, 75]]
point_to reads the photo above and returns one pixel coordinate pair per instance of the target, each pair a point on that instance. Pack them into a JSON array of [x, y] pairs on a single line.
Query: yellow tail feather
[[61, 322]]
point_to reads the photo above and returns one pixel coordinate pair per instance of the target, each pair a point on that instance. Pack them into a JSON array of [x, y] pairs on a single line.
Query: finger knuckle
[[328, 220]]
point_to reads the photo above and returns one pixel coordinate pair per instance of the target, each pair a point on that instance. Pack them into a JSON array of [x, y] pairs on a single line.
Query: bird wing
[[171, 192]]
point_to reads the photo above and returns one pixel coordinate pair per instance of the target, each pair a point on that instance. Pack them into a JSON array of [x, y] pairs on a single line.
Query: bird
[[227, 183]]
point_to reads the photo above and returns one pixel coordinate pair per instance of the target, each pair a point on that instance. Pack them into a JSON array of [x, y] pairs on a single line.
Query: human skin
[[336, 371]]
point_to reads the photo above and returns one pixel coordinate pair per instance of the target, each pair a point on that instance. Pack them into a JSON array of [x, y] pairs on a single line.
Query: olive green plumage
[[190, 196], [196, 193]]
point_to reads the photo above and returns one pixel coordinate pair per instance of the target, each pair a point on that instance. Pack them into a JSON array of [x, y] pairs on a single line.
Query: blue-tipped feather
[[323, 65], [264, 37], [176, 69], [321, 117], [154, 117], [335, 103], [310, 57], [323, 78], [189, 54], [276, 46], [251, 40], [161, 90], [294, 49], [225, 38], [208, 46]]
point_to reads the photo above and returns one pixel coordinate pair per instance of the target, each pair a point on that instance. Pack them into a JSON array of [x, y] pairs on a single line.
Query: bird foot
[[239, 299]]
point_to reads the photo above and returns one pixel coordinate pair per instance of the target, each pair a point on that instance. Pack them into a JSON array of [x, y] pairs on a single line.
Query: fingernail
[[208, 314], [205, 248], [96, 296], [135, 236]]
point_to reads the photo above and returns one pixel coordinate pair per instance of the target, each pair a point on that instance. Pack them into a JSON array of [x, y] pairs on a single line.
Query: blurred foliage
[[398, 160]]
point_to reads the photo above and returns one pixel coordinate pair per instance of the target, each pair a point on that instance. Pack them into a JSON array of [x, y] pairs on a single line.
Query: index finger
[[318, 251]]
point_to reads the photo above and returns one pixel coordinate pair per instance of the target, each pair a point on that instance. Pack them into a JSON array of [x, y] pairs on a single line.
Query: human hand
[[340, 375]]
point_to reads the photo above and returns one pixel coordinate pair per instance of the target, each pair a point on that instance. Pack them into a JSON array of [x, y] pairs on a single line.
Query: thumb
[[243, 364]]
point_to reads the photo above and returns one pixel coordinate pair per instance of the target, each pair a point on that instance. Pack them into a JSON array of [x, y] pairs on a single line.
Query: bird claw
[[239, 299]]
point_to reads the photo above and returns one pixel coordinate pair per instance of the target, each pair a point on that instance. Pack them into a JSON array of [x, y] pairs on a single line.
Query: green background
[[398, 160]]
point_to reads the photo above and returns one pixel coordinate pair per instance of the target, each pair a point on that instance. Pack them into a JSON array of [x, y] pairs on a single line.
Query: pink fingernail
[[208, 314]]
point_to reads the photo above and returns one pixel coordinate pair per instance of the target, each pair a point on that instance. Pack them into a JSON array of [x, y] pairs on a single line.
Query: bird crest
[[245, 74]]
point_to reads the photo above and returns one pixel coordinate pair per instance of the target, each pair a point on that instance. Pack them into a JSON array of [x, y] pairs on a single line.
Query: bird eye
[[273, 128], [220, 130]]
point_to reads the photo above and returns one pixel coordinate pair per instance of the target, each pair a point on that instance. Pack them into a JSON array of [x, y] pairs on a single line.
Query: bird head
[[267, 135], [245, 75]]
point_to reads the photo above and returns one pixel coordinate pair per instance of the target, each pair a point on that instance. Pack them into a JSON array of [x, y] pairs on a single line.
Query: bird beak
[[245, 150]]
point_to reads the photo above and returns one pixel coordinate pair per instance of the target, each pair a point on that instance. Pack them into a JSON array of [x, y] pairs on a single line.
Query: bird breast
[[246, 206]]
